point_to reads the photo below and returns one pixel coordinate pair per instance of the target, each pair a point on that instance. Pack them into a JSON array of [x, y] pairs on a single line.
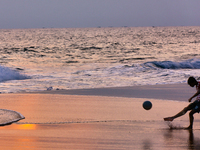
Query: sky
[[98, 13]]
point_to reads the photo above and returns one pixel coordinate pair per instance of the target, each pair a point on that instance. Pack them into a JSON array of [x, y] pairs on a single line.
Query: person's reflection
[[147, 144], [191, 140], [193, 143]]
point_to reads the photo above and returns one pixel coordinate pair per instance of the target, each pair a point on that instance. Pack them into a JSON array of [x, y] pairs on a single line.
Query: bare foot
[[188, 128], [168, 119]]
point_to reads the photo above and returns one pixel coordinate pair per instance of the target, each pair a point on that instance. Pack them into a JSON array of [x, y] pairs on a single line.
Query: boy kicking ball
[[194, 106]]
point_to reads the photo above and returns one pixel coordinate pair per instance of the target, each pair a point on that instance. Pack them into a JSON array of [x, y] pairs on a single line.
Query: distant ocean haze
[[97, 57]]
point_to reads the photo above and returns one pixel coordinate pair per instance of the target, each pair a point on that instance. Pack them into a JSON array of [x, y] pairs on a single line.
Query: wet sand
[[55, 120], [179, 92]]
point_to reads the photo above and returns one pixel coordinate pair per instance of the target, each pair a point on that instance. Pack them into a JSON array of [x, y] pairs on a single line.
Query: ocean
[[78, 58]]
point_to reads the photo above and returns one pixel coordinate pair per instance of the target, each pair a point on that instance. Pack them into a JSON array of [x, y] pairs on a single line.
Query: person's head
[[192, 81]]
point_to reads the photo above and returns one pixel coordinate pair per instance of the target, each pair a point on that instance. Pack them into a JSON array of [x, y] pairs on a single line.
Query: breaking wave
[[188, 64], [9, 74]]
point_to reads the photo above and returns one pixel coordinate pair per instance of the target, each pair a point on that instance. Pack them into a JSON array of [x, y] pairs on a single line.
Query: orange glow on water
[[23, 126], [27, 127]]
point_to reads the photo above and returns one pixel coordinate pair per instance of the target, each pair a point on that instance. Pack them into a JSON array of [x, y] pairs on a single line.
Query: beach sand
[[64, 120]]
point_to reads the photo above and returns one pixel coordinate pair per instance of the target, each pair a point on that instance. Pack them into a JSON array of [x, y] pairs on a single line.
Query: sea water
[[74, 58]]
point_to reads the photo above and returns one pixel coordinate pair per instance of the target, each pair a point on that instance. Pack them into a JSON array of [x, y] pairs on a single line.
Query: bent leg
[[192, 118]]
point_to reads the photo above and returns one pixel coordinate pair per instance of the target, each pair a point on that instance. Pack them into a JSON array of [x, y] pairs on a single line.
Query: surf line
[[89, 121]]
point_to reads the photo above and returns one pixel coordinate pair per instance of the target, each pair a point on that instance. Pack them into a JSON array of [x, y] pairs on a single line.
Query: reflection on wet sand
[[173, 138], [193, 142], [100, 135]]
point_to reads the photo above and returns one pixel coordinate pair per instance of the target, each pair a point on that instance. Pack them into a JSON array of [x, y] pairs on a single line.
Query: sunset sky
[[95, 13]]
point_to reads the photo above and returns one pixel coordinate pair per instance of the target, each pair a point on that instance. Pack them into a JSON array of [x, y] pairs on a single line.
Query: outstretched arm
[[196, 94]]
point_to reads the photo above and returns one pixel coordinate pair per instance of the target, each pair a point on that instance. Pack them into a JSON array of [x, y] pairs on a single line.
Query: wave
[[188, 64], [9, 74]]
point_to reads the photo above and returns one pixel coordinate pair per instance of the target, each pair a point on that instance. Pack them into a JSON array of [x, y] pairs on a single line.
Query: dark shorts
[[195, 106]]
